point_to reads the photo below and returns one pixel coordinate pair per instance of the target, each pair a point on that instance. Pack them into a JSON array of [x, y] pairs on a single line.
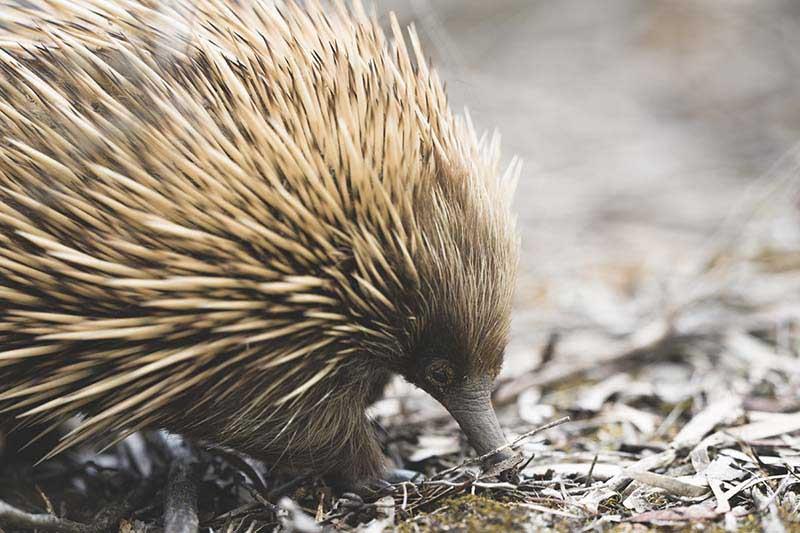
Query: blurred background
[[648, 129]]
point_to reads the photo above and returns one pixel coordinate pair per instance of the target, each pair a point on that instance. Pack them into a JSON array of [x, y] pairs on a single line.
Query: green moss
[[470, 513]]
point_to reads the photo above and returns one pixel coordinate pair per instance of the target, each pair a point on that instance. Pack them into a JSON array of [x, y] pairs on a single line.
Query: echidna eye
[[440, 373]]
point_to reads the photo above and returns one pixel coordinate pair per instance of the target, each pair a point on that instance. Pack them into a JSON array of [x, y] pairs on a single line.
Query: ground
[[657, 304]]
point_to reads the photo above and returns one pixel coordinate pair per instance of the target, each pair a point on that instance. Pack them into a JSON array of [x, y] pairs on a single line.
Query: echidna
[[236, 221]]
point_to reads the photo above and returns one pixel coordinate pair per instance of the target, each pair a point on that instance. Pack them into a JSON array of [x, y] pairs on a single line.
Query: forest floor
[[653, 377]]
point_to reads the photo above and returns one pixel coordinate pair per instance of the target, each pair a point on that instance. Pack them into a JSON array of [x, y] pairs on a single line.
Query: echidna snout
[[469, 402], [472, 408], [238, 228]]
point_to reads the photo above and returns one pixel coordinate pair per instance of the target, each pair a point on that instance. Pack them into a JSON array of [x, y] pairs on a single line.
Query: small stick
[[549, 349], [524, 436], [591, 471], [527, 462], [105, 520], [16, 518], [48, 504]]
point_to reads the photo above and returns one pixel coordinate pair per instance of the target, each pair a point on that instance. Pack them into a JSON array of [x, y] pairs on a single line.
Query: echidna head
[[461, 311], [461, 378]]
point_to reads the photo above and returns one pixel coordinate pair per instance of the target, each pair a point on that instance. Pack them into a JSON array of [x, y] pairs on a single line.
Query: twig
[[12, 517], [549, 349], [781, 488], [105, 520], [591, 470], [478, 460]]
